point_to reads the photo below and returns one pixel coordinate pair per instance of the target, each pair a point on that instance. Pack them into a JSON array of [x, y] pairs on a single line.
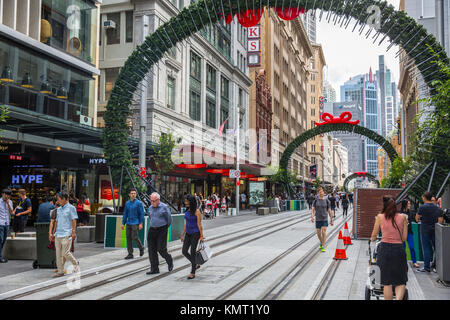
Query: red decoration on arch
[[250, 17], [289, 13], [343, 118], [228, 19], [361, 173]]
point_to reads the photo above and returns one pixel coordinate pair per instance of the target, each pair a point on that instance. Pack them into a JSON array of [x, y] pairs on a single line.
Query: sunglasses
[[154, 200]]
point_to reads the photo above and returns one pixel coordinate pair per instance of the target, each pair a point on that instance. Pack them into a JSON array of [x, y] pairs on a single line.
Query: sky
[[348, 53]]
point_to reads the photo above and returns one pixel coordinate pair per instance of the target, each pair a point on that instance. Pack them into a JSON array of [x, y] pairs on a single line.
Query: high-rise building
[[435, 17], [363, 89], [329, 93], [386, 94], [310, 23], [285, 57]]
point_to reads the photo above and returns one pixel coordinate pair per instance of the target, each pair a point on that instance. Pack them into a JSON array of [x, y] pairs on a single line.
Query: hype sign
[[18, 179]]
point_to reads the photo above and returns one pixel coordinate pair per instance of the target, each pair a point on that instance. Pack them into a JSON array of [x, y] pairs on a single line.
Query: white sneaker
[[76, 269]]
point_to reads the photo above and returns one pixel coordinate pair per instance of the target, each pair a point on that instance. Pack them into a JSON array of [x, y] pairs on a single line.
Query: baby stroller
[[209, 210], [373, 286]]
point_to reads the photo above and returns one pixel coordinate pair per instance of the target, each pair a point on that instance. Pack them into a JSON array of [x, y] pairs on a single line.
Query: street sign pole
[[236, 126]]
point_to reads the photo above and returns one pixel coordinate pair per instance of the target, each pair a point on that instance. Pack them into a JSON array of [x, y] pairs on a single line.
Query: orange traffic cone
[[340, 249], [347, 239]]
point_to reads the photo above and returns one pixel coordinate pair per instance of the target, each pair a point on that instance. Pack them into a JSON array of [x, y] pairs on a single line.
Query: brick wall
[[367, 204]]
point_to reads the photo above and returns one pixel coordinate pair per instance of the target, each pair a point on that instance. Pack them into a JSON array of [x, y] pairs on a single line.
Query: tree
[[3, 114], [163, 156], [317, 183]]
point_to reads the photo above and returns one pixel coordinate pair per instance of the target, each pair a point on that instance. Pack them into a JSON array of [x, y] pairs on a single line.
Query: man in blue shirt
[[133, 217], [21, 212], [160, 220], [44, 210], [66, 225]]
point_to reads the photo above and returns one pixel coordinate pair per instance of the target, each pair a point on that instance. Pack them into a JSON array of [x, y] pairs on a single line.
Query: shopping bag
[[203, 253]]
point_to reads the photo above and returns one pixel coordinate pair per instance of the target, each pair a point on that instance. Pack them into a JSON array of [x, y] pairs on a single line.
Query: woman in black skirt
[[391, 256]]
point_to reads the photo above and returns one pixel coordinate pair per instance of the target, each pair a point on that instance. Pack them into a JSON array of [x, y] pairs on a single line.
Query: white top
[[4, 212]]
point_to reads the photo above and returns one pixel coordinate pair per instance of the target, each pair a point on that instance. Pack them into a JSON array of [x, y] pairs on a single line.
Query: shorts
[[19, 223], [333, 208], [320, 224]]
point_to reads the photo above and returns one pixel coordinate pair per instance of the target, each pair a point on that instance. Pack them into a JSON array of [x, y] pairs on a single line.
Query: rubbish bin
[[100, 226], [46, 258]]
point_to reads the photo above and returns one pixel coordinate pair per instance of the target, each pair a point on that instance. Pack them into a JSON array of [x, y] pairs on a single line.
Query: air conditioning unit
[[85, 120], [109, 24]]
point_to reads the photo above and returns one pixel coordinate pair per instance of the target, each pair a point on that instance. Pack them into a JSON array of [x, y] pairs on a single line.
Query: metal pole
[[143, 110], [120, 189], [112, 189], [432, 176], [442, 187], [303, 165], [236, 121], [403, 193]]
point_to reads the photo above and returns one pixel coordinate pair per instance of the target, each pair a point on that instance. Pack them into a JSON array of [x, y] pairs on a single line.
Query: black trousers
[[157, 243], [345, 210], [191, 240], [133, 235]]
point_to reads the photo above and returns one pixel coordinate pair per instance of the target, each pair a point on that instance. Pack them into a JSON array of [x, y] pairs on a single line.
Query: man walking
[[320, 210], [160, 220], [66, 226], [133, 218], [429, 214], [6, 210], [310, 200]]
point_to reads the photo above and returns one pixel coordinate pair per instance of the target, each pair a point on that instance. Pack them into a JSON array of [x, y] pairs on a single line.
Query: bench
[[86, 234], [21, 248]]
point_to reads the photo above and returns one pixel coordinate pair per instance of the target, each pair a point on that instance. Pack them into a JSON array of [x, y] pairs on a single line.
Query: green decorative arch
[[394, 25], [354, 176], [327, 128]]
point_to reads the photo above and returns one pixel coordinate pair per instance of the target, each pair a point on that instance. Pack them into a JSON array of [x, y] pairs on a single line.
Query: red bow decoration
[[289, 13], [360, 173], [228, 19], [343, 118], [250, 18]]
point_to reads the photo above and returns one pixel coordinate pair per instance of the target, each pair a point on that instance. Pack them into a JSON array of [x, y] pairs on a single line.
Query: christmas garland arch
[[356, 175], [394, 25]]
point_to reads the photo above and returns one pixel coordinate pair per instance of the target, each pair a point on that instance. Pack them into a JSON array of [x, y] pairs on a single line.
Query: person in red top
[[83, 210], [391, 256]]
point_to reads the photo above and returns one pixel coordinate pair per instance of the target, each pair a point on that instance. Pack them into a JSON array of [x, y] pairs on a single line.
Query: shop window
[[129, 26]]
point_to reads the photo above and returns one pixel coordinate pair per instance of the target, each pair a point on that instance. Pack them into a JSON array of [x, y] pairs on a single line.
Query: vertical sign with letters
[[254, 46]]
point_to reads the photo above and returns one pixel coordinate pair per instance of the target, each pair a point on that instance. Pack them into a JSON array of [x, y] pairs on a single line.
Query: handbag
[[86, 208], [203, 253]]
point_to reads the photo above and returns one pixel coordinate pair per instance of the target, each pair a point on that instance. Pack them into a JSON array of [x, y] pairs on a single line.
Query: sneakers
[[170, 265], [322, 249], [423, 270], [3, 260], [130, 256], [76, 269], [141, 252], [152, 272]]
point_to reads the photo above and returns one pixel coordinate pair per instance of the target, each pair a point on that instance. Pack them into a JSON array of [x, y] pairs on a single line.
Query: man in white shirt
[[243, 200], [6, 210]]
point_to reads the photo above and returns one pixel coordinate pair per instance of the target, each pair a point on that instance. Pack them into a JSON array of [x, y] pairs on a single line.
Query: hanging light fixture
[[62, 93], [45, 87], [27, 82], [7, 74]]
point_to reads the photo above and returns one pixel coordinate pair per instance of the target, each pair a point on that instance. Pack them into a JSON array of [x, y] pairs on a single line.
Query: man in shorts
[[320, 210], [332, 200]]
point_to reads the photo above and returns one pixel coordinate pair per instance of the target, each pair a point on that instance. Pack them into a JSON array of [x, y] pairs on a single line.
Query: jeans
[[132, 234], [345, 208], [3, 235], [157, 242], [410, 240], [191, 240], [427, 237]]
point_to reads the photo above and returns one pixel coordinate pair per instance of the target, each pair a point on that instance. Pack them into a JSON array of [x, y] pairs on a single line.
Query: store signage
[[14, 157], [235, 174], [10, 147], [254, 46], [85, 183], [97, 161], [18, 179]]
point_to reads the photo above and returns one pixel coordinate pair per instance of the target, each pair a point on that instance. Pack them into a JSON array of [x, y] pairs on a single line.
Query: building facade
[[329, 93], [49, 70]]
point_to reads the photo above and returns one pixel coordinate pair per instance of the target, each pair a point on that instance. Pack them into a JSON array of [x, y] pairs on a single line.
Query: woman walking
[[192, 232], [406, 209], [345, 203], [391, 253]]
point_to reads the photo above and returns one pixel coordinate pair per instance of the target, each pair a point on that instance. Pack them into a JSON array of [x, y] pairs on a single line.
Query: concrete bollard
[[262, 211], [86, 234], [273, 210], [20, 248]]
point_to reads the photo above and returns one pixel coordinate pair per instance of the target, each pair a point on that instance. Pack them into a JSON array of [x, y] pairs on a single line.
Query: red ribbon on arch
[[228, 19], [250, 17], [289, 13], [343, 118], [361, 173]]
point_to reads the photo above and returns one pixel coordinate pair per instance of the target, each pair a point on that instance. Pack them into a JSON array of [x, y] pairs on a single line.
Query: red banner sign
[[106, 193]]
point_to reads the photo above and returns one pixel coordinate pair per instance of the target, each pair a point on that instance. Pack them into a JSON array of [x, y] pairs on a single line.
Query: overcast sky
[[348, 54]]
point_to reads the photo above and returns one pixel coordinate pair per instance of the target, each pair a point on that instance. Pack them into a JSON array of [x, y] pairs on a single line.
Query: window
[[172, 52], [225, 87], [210, 77], [113, 34], [195, 106], [277, 107], [241, 98], [211, 113], [313, 88], [110, 79], [277, 80], [313, 100], [313, 65], [196, 66], [180, 4], [171, 92], [129, 26], [223, 117], [313, 77]]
